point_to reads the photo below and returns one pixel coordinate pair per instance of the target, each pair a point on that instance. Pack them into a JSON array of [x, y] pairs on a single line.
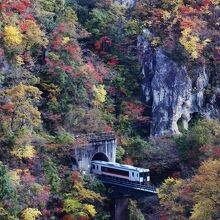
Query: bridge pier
[[121, 208]]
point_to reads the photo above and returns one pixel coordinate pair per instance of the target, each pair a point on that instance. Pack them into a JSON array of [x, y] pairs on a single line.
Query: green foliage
[[92, 183], [136, 149], [63, 138], [36, 188], [101, 20], [7, 191], [134, 212], [4, 215], [52, 5], [201, 133], [72, 206], [90, 82], [52, 175], [102, 215], [133, 27], [119, 154]]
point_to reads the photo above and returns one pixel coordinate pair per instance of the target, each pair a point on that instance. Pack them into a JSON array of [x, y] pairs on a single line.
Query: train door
[[98, 168], [133, 175]]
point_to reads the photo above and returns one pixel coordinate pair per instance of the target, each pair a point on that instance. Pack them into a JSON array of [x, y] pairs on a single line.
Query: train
[[120, 171]]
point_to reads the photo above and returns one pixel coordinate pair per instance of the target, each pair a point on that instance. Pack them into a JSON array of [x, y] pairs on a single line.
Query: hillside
[[146, 70]]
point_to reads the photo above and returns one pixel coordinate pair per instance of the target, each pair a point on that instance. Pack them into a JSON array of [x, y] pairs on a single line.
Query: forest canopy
[[71, 68]]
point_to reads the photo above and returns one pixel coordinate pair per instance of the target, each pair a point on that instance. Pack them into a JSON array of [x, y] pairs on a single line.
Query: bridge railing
[[98, 136], [90, 138]]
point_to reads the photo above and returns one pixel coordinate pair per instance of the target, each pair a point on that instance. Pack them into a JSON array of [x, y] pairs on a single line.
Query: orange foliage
[[103, 44], [68, 217], [128, 161], [194, 23], [158, 16], [186, 10], [8, 107], [84, 218], [75, 177]]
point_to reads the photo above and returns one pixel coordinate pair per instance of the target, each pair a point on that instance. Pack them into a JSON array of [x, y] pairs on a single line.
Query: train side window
[[93, 166], [133, 174], [137, 174], [97, 167]]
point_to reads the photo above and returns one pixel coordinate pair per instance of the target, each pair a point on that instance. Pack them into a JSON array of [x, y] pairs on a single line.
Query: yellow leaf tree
[[24, 111], [170, 195], [12, 36], [30, 214], [206, 185], [80, 202], [99, 94], [193, 199], [190, 42], [24, 152]]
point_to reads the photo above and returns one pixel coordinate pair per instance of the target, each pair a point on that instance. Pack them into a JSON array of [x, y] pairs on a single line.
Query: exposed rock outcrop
[[174, 95], [127, 3]]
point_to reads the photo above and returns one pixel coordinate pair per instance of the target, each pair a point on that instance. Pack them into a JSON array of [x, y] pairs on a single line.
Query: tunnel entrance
[[70, 162], [100, 156]]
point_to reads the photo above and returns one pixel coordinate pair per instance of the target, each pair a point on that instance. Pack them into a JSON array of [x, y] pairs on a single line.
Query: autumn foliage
[[69, 68]]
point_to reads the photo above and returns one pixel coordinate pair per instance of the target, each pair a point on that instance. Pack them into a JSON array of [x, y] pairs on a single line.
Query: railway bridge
[[90, 147], [102, 146]]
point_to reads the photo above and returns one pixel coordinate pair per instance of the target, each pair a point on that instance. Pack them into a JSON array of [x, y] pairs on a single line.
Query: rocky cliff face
[[127, 3], [174, 96]]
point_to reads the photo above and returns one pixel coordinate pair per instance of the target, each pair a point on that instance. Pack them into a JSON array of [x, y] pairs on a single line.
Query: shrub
[[12, 36], [204, 132], [8, 194], [52, 175], [30, 214], [134, 212]]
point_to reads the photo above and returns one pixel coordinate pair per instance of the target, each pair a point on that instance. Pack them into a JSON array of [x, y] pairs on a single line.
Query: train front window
[[93, 166], [144, 174]]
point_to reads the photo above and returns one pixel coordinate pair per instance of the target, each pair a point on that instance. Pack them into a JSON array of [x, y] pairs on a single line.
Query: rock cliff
[[127, 3], [175, 97]]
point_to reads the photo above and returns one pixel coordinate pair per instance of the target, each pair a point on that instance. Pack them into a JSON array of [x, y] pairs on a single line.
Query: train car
[[126, 172]]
